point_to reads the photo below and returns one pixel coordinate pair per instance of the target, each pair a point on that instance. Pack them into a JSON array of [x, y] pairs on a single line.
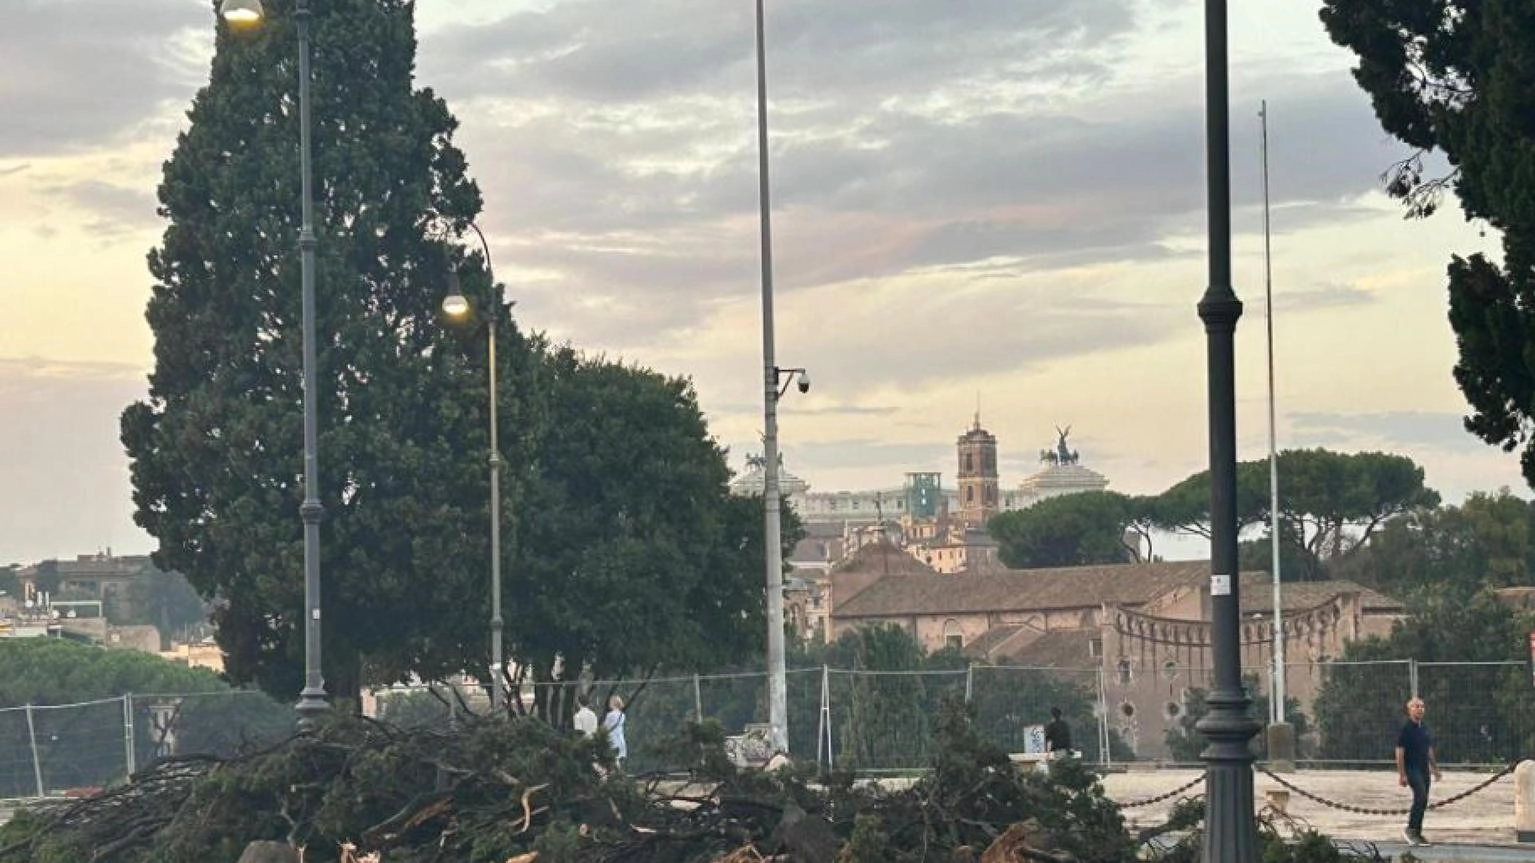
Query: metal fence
[[1346, 713], [49, 750]]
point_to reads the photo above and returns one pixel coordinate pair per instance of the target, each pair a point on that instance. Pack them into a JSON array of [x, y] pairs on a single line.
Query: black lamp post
[[1230, 831], [244, 14]]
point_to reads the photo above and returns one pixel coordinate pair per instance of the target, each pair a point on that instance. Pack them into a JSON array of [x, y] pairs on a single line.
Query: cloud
[[600, 52], [1437, 430], [117, 209], [79, 73], [65, 460], [855, 453], [1323, 296]]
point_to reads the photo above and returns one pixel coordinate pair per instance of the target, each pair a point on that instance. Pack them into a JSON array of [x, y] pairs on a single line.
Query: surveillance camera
[[804, 382]]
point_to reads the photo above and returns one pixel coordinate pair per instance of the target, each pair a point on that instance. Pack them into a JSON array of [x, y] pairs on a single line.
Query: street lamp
[[1230, 831], [247, 14], [775, 382], [456, 306]]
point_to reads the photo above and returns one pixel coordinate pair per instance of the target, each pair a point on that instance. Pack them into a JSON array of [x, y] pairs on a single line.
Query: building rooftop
[[998, 589]]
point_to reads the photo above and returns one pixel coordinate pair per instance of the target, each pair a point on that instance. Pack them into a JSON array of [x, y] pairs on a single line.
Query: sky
[[977, 203]]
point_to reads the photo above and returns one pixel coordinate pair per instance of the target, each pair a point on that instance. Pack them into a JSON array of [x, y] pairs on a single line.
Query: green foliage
[[1457, 78], [165, 600], [1070, 530], [615, 510], [1360, 707], [46, 577], [1330, 504], [627, 517], [10, 582], [216, 449], [868, 843], [82, 745], [57, 671], [1487, 541], [1185, 742]]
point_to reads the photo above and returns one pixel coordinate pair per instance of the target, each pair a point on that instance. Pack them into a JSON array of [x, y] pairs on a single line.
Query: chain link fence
[[53, 750], [1347, 714]]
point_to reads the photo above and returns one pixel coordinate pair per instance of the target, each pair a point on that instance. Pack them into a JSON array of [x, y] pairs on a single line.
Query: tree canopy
[[616, 508], [1457, 77], [1070, 530], [1487, 541], [216, 449], [1359, 706], [58, 671], [625, 522], [1330, 503]]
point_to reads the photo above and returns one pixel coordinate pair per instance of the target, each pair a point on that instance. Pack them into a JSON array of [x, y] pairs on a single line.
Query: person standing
[[585, 719], [614, 723], [1415, 763], [1057, 735]]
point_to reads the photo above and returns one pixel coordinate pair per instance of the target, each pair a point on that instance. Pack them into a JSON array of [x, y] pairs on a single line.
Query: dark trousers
[[1417, 780]]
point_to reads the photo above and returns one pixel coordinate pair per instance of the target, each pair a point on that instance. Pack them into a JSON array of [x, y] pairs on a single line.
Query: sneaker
[[1408, 837], [1421, 840]]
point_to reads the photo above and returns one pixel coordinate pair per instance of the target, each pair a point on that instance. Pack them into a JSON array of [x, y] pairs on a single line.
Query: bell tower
[[978, 500]]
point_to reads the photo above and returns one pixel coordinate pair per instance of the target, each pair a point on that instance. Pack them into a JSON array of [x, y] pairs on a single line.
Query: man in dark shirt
[[1415, 762], [1057, 734]]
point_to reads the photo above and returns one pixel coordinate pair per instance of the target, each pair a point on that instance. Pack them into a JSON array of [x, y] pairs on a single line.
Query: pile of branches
[[493, 791]]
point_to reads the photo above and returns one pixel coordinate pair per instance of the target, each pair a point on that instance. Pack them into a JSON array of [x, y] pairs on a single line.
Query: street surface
[[1461, 831]]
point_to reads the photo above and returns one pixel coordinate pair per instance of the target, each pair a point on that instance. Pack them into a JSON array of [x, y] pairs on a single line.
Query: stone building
[[1142, 629]]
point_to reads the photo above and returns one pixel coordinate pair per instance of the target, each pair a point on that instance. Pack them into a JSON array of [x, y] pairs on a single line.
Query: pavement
[[1477, 828]]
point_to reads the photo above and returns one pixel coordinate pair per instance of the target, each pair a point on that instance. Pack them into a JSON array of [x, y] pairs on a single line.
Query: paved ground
[[1483, 819]]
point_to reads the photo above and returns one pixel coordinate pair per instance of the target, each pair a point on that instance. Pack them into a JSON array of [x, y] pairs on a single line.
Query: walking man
[[1415, 762], [585, 719]]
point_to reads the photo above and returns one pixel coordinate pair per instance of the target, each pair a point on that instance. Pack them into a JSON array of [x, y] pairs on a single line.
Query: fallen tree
[[516, 791]]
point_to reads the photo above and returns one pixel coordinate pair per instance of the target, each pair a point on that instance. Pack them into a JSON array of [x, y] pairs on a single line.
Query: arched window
[[952, 637], [969, 462]]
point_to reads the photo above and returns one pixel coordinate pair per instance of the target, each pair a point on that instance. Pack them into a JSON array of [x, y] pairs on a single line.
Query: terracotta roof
[[990, 640], [1258, 594], [882, 557], [996, 589], [1061, 648]]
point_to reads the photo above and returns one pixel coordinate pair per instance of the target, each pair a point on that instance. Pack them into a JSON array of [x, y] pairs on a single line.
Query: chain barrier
[[1362, 810], [1168, 796]]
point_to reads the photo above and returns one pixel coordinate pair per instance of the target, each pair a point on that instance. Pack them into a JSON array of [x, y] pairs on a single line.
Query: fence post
[[823, 734], [37, 762], [698, 700], [128, 753], [969, 682], [1412, 676], [1104, 753]]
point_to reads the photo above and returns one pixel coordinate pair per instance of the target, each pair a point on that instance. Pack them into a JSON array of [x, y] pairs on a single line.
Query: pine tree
[[1458, 77], [216, 448]]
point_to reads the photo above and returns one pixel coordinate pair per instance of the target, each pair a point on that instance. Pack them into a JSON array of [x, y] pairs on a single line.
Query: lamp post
[[455, 305], [775, 382], [246, 14], [1230, 831]]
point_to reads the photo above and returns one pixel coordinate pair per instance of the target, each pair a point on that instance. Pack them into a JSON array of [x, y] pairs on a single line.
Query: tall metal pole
[[497, 661], [312, 700], [1230, 832], [1276, 710], [778, 710], [497, 623]]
